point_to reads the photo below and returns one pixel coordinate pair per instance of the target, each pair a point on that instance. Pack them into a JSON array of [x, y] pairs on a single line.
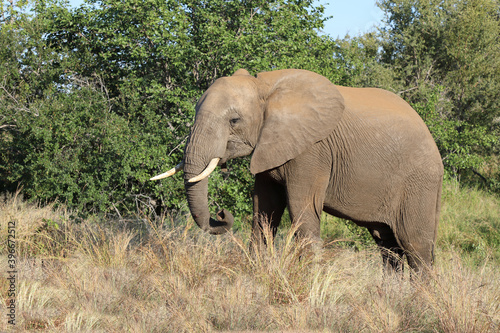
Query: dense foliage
[[95, 100], [445, 56]]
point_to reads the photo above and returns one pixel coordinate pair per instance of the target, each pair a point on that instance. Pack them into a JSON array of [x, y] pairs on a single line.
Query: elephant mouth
[[223, 166]]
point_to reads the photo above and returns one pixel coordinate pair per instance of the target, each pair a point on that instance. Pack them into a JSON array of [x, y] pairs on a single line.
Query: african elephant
[[361, 154]]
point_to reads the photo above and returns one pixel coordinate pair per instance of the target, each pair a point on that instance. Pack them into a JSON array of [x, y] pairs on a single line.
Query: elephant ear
[[302, 108]]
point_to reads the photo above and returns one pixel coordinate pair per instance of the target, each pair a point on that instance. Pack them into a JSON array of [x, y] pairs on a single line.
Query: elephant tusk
[[208, 170], [170, 172]]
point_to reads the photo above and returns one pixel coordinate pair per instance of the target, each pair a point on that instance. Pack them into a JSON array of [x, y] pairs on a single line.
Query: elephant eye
[[234, 121]]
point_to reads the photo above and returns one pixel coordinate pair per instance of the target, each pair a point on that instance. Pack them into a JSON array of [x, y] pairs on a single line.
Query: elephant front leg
[[305, 204], [269, 203], [306, 216], [307, 179], [305, 213]]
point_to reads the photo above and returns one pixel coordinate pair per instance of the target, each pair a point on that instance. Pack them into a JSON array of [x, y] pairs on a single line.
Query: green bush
[[77, 151], [461, 144]]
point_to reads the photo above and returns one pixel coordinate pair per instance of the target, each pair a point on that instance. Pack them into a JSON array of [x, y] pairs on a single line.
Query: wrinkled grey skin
[[358, 153]]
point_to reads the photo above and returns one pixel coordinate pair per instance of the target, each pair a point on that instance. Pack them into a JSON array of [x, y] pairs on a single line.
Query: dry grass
[[101, 278]]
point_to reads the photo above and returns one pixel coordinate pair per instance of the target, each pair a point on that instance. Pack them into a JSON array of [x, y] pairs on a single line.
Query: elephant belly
[[363, 201], [374, 195]]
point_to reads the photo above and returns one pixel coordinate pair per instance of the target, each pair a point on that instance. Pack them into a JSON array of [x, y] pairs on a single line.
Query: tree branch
[[403, 91]]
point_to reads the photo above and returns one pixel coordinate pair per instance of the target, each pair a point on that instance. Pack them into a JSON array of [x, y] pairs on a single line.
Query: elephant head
[[276, 116]]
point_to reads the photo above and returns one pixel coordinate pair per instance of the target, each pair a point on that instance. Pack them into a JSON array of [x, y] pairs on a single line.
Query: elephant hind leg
[[417, 229], [392, 253]]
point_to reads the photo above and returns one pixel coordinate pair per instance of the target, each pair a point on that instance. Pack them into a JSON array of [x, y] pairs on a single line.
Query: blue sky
[[349, 16]]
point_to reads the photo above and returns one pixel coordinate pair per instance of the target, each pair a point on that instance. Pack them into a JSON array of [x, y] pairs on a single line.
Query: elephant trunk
[[197, 196], [206, 142]]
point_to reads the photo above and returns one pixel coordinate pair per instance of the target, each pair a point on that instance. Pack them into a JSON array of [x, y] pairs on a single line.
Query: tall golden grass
[[154, 276]]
